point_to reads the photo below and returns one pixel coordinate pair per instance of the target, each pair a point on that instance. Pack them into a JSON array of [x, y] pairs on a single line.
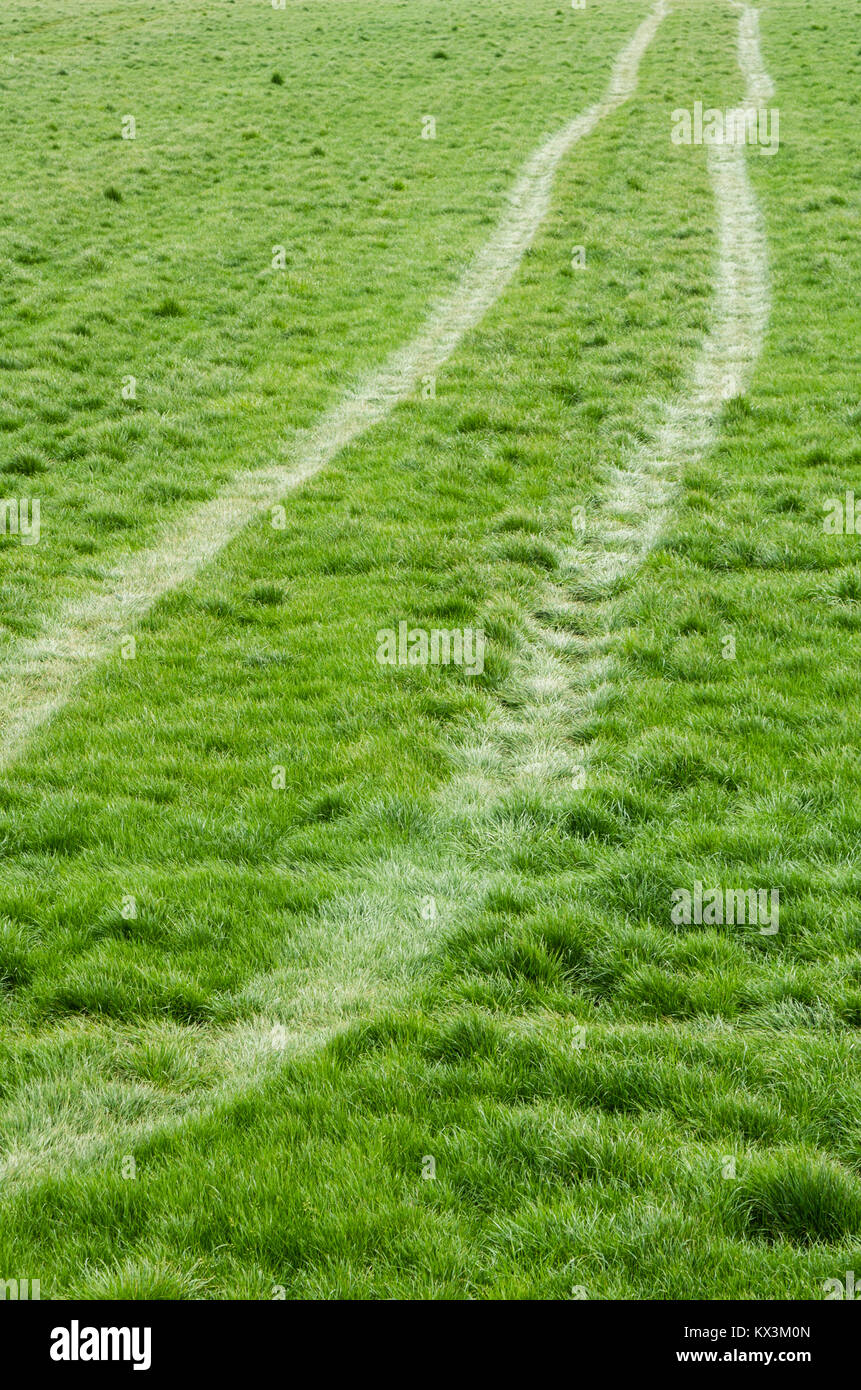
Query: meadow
[[323, 978]]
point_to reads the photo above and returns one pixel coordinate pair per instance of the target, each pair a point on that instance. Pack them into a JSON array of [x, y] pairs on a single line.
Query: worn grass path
[[364, 936], [39, 676]]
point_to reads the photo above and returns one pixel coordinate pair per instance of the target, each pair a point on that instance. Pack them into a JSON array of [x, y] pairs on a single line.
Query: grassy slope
[[557, 1165]]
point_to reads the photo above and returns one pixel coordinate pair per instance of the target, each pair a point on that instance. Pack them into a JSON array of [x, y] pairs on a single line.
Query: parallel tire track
[[638, 498], [364, 933], [38, 676]]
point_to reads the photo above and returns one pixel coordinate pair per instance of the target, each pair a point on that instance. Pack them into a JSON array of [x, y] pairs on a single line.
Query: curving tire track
[[39, 676], [364, 934], [560, 693]]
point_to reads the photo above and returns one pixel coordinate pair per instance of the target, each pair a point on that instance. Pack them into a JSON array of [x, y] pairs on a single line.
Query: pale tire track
[[365, 931], [638, 498], [63, 1121], [38, 677]]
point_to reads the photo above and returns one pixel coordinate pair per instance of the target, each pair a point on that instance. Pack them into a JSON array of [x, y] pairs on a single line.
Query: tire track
[[79, 1109], [371, 937], [561, 678], [38, 676]]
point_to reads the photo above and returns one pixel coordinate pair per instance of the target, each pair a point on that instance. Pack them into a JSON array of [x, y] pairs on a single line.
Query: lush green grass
[[583, 1073]]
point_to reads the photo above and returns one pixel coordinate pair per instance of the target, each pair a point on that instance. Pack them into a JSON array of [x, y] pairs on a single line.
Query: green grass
[[612, 1104]]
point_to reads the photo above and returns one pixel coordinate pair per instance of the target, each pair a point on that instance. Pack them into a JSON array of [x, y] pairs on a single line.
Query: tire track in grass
[[637, 499], [373, 934], [526, 745], [371, 940], [39, 676], [82, 1101]]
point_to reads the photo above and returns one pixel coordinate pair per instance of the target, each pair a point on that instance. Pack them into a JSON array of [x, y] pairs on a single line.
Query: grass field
[[325, 978]]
